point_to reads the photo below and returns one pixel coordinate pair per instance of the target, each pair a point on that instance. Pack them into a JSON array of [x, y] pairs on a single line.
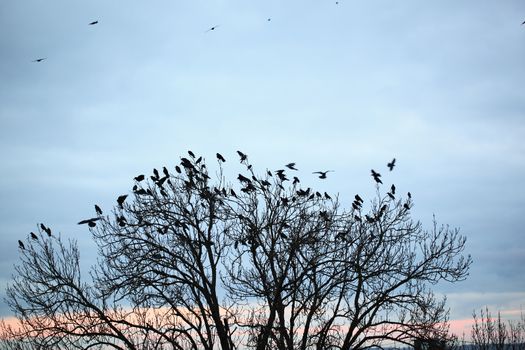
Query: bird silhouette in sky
[[40, 59], [93, 23], [212, 28], [393, 189], [220, 157], [242, 155], [392, 164], [121, 199], [21, 245], [358, 198], [139, 178], [376, 176], [191, 154], [33, 236], [98, 210], [322, 174], [90, 222], [291, 166]]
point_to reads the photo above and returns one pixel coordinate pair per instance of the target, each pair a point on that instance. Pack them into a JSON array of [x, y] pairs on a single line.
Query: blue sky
[[348, 86]]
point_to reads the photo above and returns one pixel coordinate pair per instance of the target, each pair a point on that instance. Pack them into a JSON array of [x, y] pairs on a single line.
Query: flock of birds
[[191, 169]]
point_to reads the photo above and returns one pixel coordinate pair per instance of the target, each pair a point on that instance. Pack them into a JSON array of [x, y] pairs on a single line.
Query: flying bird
[[90, 222], [220, 157], [40, 59], [98, 210], [291, 166], [33, 236], [212, 28], [392, 164], [93, 23], [242, 155], [322, 174], [21, 245], [121, 199]]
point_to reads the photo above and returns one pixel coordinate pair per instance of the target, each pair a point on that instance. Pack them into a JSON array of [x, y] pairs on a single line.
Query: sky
[[343, 86]]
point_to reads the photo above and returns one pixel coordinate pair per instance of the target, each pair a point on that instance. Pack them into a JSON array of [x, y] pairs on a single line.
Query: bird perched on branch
[[33, 236], [120, 200], [21, 245], [220, 157], [98, 210]]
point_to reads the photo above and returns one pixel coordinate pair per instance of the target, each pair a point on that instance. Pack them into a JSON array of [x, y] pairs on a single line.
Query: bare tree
[[185, 263], [489, 333]]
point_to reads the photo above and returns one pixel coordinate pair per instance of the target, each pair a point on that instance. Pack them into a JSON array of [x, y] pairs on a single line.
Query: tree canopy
[[190, 262]]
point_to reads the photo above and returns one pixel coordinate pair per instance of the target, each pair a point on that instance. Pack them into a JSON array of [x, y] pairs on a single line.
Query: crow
[[220, 157], [243, 178], [93, 23], [33, 236], [191, 154], [376, 176], [409, 195], [98, 210], [295, 180], [121, 199], [40, 59], [327, 196], [291, 166], [21, 245], [90, 222], [322, 174], [392, 164], [242, 155], [393, 189], [139, 178]]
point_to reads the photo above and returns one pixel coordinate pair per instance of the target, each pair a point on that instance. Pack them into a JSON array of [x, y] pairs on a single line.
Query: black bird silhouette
[[40, 59], [21, 245], [33, 236], [121, 199], [243, 178], [358, 198], [232, 192], [409, 195], [295, 180], [391, 196], [376, 176], [406, 206], [242, 155], [213, 28], [291, 166], [43, 227], [191, 154], [392, 164], [93, 23], [327, 196], [220, 157], [139, 178], [90, 222], [393, 189], [46, 229], [322, 174], [98, 210], [177, 169]]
